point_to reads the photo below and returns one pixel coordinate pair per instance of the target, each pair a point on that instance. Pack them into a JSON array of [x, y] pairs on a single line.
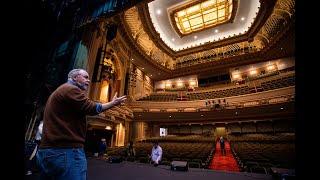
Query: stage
[[102, 170]]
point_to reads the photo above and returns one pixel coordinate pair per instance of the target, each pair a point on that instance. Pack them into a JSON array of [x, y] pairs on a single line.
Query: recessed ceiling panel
[[201, 15], [199, 24]]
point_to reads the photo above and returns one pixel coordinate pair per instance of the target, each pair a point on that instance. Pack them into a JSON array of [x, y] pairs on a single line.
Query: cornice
[[137, 50]]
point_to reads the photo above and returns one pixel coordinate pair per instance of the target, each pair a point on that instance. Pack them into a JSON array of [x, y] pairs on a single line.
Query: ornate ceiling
[[162, 23], [260, 30]]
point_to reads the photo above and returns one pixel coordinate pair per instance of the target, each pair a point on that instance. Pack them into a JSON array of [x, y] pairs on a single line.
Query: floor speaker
[[179, 165], [115, 159]]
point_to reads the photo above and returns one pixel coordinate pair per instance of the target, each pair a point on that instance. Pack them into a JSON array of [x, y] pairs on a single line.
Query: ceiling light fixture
[[199, 17], [203, 15], [158, 11], [242, 19]]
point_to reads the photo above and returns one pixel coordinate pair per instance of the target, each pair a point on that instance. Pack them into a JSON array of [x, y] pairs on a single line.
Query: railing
[[255, 99], [120, 112], [216, 55], [262, 84]]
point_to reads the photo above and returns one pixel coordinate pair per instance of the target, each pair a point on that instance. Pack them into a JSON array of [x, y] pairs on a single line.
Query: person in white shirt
[[39, 132], [156, 154], [37, 141]]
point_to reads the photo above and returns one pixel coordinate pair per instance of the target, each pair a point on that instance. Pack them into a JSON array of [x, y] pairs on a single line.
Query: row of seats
[[235, 91], [266, 155], [186, 138], [278, 83], [215, 56], [260, 152], [262, 137], [197, 154], [256, 152], [160, 97], [199, 131], [227, 92], [276, 126], [194, 152]]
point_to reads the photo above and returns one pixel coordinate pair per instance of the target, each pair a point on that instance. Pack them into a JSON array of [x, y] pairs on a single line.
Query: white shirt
[[39, 132], [156, 154]]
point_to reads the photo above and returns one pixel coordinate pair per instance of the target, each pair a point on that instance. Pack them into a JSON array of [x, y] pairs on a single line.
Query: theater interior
[[192, 71]]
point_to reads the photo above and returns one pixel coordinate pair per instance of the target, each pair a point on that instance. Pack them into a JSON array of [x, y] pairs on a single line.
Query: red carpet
[[224, 163]]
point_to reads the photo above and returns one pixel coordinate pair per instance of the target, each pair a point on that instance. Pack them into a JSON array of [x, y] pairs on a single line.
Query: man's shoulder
[[68, 87]]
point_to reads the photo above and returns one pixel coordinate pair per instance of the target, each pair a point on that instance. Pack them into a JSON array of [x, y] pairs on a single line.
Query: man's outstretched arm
[[115, 101]]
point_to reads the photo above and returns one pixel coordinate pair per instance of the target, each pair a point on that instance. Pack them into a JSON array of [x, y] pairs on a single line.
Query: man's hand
[[118, 100], [115, 101]]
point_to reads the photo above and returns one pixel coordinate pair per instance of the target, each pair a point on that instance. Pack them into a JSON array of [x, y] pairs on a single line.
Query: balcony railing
[[280, 95]]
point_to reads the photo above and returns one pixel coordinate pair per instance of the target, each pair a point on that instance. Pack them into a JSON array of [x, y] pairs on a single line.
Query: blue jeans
[[62, 163]]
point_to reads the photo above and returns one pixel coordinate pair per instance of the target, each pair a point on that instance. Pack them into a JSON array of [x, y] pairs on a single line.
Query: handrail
[[287, 93], [232, 85]]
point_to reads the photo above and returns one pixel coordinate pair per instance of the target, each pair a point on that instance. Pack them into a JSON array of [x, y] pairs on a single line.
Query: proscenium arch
[[119, 69]]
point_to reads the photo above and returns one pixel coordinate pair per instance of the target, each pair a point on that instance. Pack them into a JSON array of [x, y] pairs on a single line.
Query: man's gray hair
[[73, 73]]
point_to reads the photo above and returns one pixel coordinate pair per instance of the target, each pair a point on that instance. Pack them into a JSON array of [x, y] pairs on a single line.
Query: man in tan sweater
[[61, 154]]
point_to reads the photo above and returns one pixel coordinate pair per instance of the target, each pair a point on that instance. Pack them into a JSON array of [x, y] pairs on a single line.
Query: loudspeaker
[[111, 32], [179, 165], [115, 159]]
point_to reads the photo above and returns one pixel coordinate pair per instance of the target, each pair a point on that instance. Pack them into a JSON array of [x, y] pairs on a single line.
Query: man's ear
[[74, 78]]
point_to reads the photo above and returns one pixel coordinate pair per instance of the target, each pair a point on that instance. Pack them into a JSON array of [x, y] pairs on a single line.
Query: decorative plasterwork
[[162, 24], [135, 27], [265, 11], [273, 29]]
